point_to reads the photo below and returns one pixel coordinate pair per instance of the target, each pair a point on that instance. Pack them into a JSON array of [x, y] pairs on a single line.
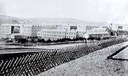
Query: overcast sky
[[115, 11]]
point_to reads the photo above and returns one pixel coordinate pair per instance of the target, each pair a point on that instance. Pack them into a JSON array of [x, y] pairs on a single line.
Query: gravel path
[[93, 64]]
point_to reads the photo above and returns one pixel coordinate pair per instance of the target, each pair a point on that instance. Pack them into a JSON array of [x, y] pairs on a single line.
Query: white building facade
[[56, 34], [98, 32], [51, 31], [11, 30]]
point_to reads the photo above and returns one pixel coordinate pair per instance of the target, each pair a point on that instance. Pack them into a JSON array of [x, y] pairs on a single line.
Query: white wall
[[5, 30]]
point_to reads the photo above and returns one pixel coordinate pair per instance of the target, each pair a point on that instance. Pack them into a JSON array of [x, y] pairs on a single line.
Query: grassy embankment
[[33, 63]]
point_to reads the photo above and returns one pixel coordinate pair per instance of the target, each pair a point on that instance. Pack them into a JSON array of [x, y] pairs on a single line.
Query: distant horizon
[[49, 18], [82, 21], [59, 18], [110, 11]]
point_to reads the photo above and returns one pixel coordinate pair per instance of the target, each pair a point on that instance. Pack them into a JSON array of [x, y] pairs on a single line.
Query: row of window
[[98, 31], [54, 35], [26, 30], [50, 32], [57, 36]]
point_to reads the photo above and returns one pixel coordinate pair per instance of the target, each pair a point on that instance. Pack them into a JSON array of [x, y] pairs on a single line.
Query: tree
[[9, 41], [91, 38], [22, 40], [112, 33], [41, 40], [48, 41]]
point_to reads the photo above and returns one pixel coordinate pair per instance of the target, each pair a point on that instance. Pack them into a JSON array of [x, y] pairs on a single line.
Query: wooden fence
[[33, 63]]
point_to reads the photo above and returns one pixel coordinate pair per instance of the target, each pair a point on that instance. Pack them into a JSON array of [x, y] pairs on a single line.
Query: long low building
[[97, 33], [56, 34]]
